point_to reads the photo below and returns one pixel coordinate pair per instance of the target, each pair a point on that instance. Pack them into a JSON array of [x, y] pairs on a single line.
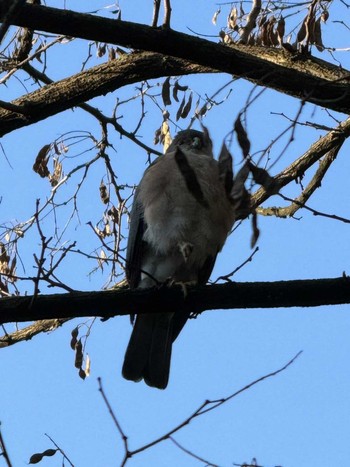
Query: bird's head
[[193, 140]]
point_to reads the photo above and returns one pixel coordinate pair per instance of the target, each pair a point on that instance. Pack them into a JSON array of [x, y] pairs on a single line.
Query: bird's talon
[[186, 249]]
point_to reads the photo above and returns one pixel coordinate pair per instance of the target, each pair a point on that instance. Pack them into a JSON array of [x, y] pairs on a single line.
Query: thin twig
[[192, 454], [4, 452], [114, 418], [228, 276], [209, 405], [61, 451]]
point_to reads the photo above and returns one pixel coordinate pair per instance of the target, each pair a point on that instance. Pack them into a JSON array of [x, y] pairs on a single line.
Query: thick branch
[[331, 142], [99, 80], [309, 78], [297, 293], [300, 200]]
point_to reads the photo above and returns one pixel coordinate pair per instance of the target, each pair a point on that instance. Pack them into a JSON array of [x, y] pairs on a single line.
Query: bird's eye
[[196, 142]]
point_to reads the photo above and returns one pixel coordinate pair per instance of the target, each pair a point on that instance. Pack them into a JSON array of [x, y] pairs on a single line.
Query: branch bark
[[307, 78], [99, 80], [296, 293], [329, 143]]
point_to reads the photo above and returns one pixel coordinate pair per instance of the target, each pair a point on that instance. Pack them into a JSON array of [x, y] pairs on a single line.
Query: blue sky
[[298, 418]]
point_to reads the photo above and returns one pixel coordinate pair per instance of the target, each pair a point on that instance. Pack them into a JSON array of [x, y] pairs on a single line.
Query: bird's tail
[[149, 351]]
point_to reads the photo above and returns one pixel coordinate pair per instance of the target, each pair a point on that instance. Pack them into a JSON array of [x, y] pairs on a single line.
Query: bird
[[180, 218]]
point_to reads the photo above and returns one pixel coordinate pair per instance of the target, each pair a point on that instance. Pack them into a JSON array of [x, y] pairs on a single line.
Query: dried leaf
[[82, 373], [225, 168], [57, 151], [111, 53], [180, 109], [262, 177], [302, 31], [12, 270], [262, 20], [166, 92], [165, 137], [318, 36], [107, 230], [99, 232], [102, 257], [256, 231], [74, 335], [104, 195], [232, 18], [101, 50], [4, 260], [19, 232], [157, 135], [272, 34], [310, 28], [242, 137], [264, 34], [238, 182], [215, 17], [281, 29], [57, 172], [40, 164], [4, 288], [324, 16], [87, 365], [190, 177], [187, 107], [176, 88], [114, 214], [78, 354], [36, 458], [239, 196]]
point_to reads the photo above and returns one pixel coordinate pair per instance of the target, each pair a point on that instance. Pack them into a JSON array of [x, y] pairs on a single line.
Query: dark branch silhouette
[[305, 77], [234, 295]]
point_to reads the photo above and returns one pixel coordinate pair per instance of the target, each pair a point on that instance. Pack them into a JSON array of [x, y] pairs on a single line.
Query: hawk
[[181, 216]]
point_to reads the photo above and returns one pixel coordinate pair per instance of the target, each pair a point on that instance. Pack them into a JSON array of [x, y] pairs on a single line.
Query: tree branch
[[296, 293], [99, 80], [300, 76], [330, 143]]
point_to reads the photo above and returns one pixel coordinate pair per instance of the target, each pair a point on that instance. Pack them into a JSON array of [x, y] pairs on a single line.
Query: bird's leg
[[184, 285], [186, 249]]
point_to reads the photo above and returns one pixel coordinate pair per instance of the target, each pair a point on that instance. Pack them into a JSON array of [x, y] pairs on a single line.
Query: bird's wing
[[135, 243]]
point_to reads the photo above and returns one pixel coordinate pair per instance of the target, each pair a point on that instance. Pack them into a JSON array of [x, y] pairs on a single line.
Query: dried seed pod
[[180, 109], [104, 195], [318, 35], [302, 31], [78, 354], [40, 164], [242, 137], [324, 15], [166, 92], [281, 29], [232, 18], [187, 107], [215, 17], [74, 335]]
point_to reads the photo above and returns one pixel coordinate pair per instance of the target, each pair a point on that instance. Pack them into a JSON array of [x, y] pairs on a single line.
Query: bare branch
[[46, 325], [306, 293], [310, 79], [209, 405], [300, 201], [3, 450], [331, 141]]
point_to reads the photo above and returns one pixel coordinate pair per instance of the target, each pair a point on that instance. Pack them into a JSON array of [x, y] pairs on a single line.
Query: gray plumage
[[179, 222]]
